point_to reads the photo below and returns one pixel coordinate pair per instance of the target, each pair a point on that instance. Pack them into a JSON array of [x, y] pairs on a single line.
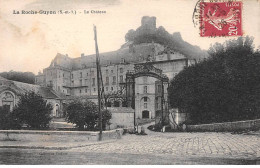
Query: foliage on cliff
[[161, 36], [25, 77], [225, 87]]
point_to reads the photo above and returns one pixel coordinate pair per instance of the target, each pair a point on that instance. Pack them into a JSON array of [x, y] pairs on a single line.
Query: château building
[[77, 77]]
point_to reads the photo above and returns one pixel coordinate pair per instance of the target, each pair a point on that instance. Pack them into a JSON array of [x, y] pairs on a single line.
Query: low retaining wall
[[226, 126], [122, 117], [57, 136]]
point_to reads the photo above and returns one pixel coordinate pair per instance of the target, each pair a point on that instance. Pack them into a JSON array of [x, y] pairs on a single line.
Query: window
[[121, 70], [80, 82], [71, 76], [159, 88], [112, 71], [80, 91], [63, 75], [145, 105], [87, 74], [86, 82], [72, 83], [93, 81], [86, 90], [107, 71], [94, 89], [80, 74], [121, 78], [156, 103], [112, 88], [114, 79], [106, 88], [92, 73], [145, 89], [107, 80], [145, 99]]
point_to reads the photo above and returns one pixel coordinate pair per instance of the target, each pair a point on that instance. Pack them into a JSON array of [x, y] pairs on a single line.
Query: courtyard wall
[[226, 126], [121, 117]]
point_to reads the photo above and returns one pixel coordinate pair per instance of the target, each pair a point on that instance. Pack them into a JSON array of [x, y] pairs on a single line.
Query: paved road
[[185, 144], [154, 148]]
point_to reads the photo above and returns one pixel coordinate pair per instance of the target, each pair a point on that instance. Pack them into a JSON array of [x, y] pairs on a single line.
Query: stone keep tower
[[148, 22]]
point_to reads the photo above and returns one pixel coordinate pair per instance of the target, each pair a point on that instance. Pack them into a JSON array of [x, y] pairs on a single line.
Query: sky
[[29, 42]]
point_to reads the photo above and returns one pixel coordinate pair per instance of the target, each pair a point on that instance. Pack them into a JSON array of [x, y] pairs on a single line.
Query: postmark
[[218, 19]]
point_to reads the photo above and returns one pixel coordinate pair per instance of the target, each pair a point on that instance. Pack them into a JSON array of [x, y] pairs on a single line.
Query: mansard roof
[[127, 54]]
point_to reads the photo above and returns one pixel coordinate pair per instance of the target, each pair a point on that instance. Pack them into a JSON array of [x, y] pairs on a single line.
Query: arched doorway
[[7, 100], [145, 114], [57, 110]]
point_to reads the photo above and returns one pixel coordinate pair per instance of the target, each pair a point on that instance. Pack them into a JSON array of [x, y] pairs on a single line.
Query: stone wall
[[121, 117], [57, 136], [226, 126], [148, 22]]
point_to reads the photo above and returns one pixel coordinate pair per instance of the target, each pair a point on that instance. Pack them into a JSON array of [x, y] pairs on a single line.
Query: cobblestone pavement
[[221, 145], [154, 148]]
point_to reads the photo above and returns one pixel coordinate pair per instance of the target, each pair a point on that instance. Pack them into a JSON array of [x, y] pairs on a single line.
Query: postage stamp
[[220, 19]]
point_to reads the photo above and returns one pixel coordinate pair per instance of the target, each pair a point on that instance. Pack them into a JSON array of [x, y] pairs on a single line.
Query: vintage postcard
[[129, 82]]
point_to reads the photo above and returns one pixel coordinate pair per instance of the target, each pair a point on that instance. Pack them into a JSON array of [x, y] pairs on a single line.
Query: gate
[[144, 69]]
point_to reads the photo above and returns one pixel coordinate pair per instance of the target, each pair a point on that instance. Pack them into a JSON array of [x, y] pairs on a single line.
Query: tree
[[33, 110], [7, 119], [225, 87], [85, 114], [26, 77]]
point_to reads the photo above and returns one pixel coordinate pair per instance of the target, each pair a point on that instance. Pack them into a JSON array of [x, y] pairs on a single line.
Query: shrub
[[85, 115], [33, 111]]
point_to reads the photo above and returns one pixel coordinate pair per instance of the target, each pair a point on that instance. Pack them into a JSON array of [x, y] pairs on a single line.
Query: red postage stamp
[[221, 19]]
